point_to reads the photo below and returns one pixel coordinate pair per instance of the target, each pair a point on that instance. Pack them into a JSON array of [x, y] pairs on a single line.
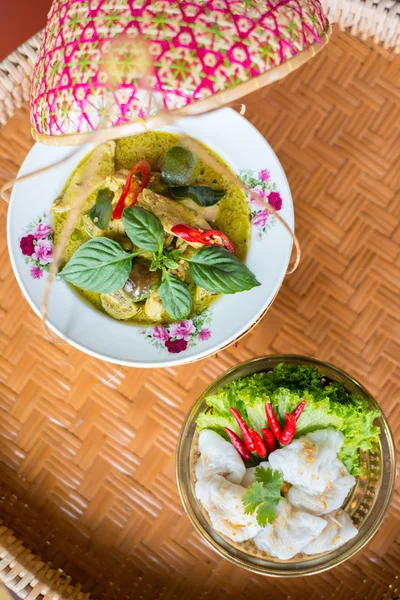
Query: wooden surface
[[87, 448]]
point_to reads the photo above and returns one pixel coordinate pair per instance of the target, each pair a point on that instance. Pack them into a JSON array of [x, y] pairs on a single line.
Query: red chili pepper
[[273, 421], [288, 431], [208, 237], [239, 445], [245, 429], [259, 444], [298, 410], [270, 440], [132, 189]]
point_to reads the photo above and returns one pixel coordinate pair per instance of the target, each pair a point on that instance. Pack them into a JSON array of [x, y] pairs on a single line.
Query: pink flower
[[176, 346], [261, 218], [275, 200], [258, 189], [182, 330], [36, 273], [26, 245], [42, 231], [160, 333], [264, 175], [204, 334], [43, 252]]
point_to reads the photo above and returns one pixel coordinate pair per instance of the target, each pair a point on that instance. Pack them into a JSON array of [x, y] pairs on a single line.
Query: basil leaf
[[217, 270], [99, 265], [143, 228], [175, 297], [201, 194], [101, 212]]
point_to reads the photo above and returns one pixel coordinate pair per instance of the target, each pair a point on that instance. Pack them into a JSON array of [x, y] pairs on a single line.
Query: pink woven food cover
[[88, 73]]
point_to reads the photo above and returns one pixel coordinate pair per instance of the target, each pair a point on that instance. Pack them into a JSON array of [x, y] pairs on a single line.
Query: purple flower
[[160, 333], [264, 175], [26, 245], [36, 273], [42, 231], [43, 252], [258, 189], [275, 200], [182, 330], [261, 218], [204, 334], [176, 346]]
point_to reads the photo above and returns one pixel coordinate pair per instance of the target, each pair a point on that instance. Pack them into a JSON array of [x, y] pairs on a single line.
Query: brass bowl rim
[[281, 572]]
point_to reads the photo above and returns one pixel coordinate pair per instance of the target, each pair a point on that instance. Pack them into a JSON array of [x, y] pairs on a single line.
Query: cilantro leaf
[[270, 478], [253, 498], [264, 495], [266, 511]]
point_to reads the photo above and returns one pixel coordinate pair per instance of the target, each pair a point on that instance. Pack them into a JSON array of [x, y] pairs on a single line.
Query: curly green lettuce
[[328, 404]]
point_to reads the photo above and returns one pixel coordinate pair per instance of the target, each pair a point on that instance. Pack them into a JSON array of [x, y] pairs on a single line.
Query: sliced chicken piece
[[331, 499], [181, 244], [222, 499], [117, 227], [210, 213], [310, 462], [339, 530], [218, 457], [291, 531], [116, 182], [250, 475], [89, 175], [170, 212]]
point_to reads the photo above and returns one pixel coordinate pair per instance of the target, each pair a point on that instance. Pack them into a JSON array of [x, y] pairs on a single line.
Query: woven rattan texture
[[87, 448], [378, 20], [15, 77]]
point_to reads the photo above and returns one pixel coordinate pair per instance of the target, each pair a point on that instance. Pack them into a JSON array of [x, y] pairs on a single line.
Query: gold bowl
[[367, 503]]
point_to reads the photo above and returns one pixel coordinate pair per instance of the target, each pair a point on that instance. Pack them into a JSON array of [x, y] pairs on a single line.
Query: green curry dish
[[328, 404], [181, 167], [142, 245], [101, 265]]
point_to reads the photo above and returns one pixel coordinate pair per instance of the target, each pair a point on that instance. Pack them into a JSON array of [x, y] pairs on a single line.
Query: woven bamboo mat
[[87, 448]]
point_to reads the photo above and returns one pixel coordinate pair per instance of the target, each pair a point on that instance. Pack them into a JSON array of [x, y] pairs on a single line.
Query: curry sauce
[[231, 217]]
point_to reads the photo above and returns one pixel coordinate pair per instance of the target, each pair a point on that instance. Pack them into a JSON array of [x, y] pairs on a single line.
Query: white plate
[[246, 151]]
